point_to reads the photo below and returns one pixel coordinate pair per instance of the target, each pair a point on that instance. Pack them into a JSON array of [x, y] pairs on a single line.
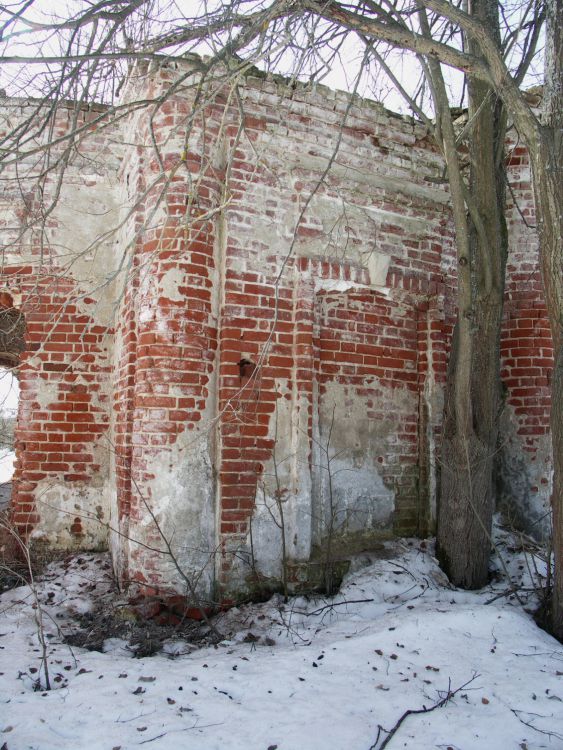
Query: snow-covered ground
[[303, 675]]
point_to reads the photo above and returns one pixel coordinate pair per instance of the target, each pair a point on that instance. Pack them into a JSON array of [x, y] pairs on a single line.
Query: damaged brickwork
[[237, 320]]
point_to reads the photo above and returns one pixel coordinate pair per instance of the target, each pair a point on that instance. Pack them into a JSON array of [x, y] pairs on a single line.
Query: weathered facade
[[238, 313]]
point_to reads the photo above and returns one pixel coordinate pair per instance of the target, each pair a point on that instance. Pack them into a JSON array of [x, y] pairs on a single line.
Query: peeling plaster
[[345, 231], [348, 486], [59, 504], [47, 393], [182, 499], [524, 480], [169, 284], [79, 214], [285, 482]]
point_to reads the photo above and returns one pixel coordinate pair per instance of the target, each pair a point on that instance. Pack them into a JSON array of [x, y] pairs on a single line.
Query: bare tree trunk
[[545, 145], [556, 624], [466, 498], [547, 165], [551, 231], [547, 162]]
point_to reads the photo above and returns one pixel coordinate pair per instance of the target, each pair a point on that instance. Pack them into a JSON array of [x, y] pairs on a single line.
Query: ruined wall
[[56, 266], [175, 330], [524, 466], [264, 367], [326, 269]]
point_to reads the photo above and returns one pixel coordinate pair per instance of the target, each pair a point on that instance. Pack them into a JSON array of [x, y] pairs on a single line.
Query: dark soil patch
[[143, 637]]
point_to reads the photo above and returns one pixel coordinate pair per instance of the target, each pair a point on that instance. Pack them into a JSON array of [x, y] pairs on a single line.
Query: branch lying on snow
[[335, 604], [424, 710], [509, 592], [185, 729], [516, 713]]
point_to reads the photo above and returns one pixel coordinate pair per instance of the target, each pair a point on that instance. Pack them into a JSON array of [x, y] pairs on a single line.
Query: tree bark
[[466, 500], [546, 155]]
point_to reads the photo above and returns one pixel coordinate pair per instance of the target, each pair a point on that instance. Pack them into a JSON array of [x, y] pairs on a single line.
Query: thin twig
[[516, 713], [334, 604], [411, 711]]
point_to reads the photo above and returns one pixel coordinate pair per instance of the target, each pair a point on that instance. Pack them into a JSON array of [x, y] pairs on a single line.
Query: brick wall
[[269, 352], [527, 363], [166, 418], [358, 230], [63, 409], [54, 266], [367, 351]]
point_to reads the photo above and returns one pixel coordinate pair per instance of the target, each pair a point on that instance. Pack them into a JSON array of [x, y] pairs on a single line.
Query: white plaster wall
[[349, 493], [58, 504]]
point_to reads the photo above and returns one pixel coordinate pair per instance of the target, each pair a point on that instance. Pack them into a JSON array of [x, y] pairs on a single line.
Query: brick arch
[[12, 331]]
